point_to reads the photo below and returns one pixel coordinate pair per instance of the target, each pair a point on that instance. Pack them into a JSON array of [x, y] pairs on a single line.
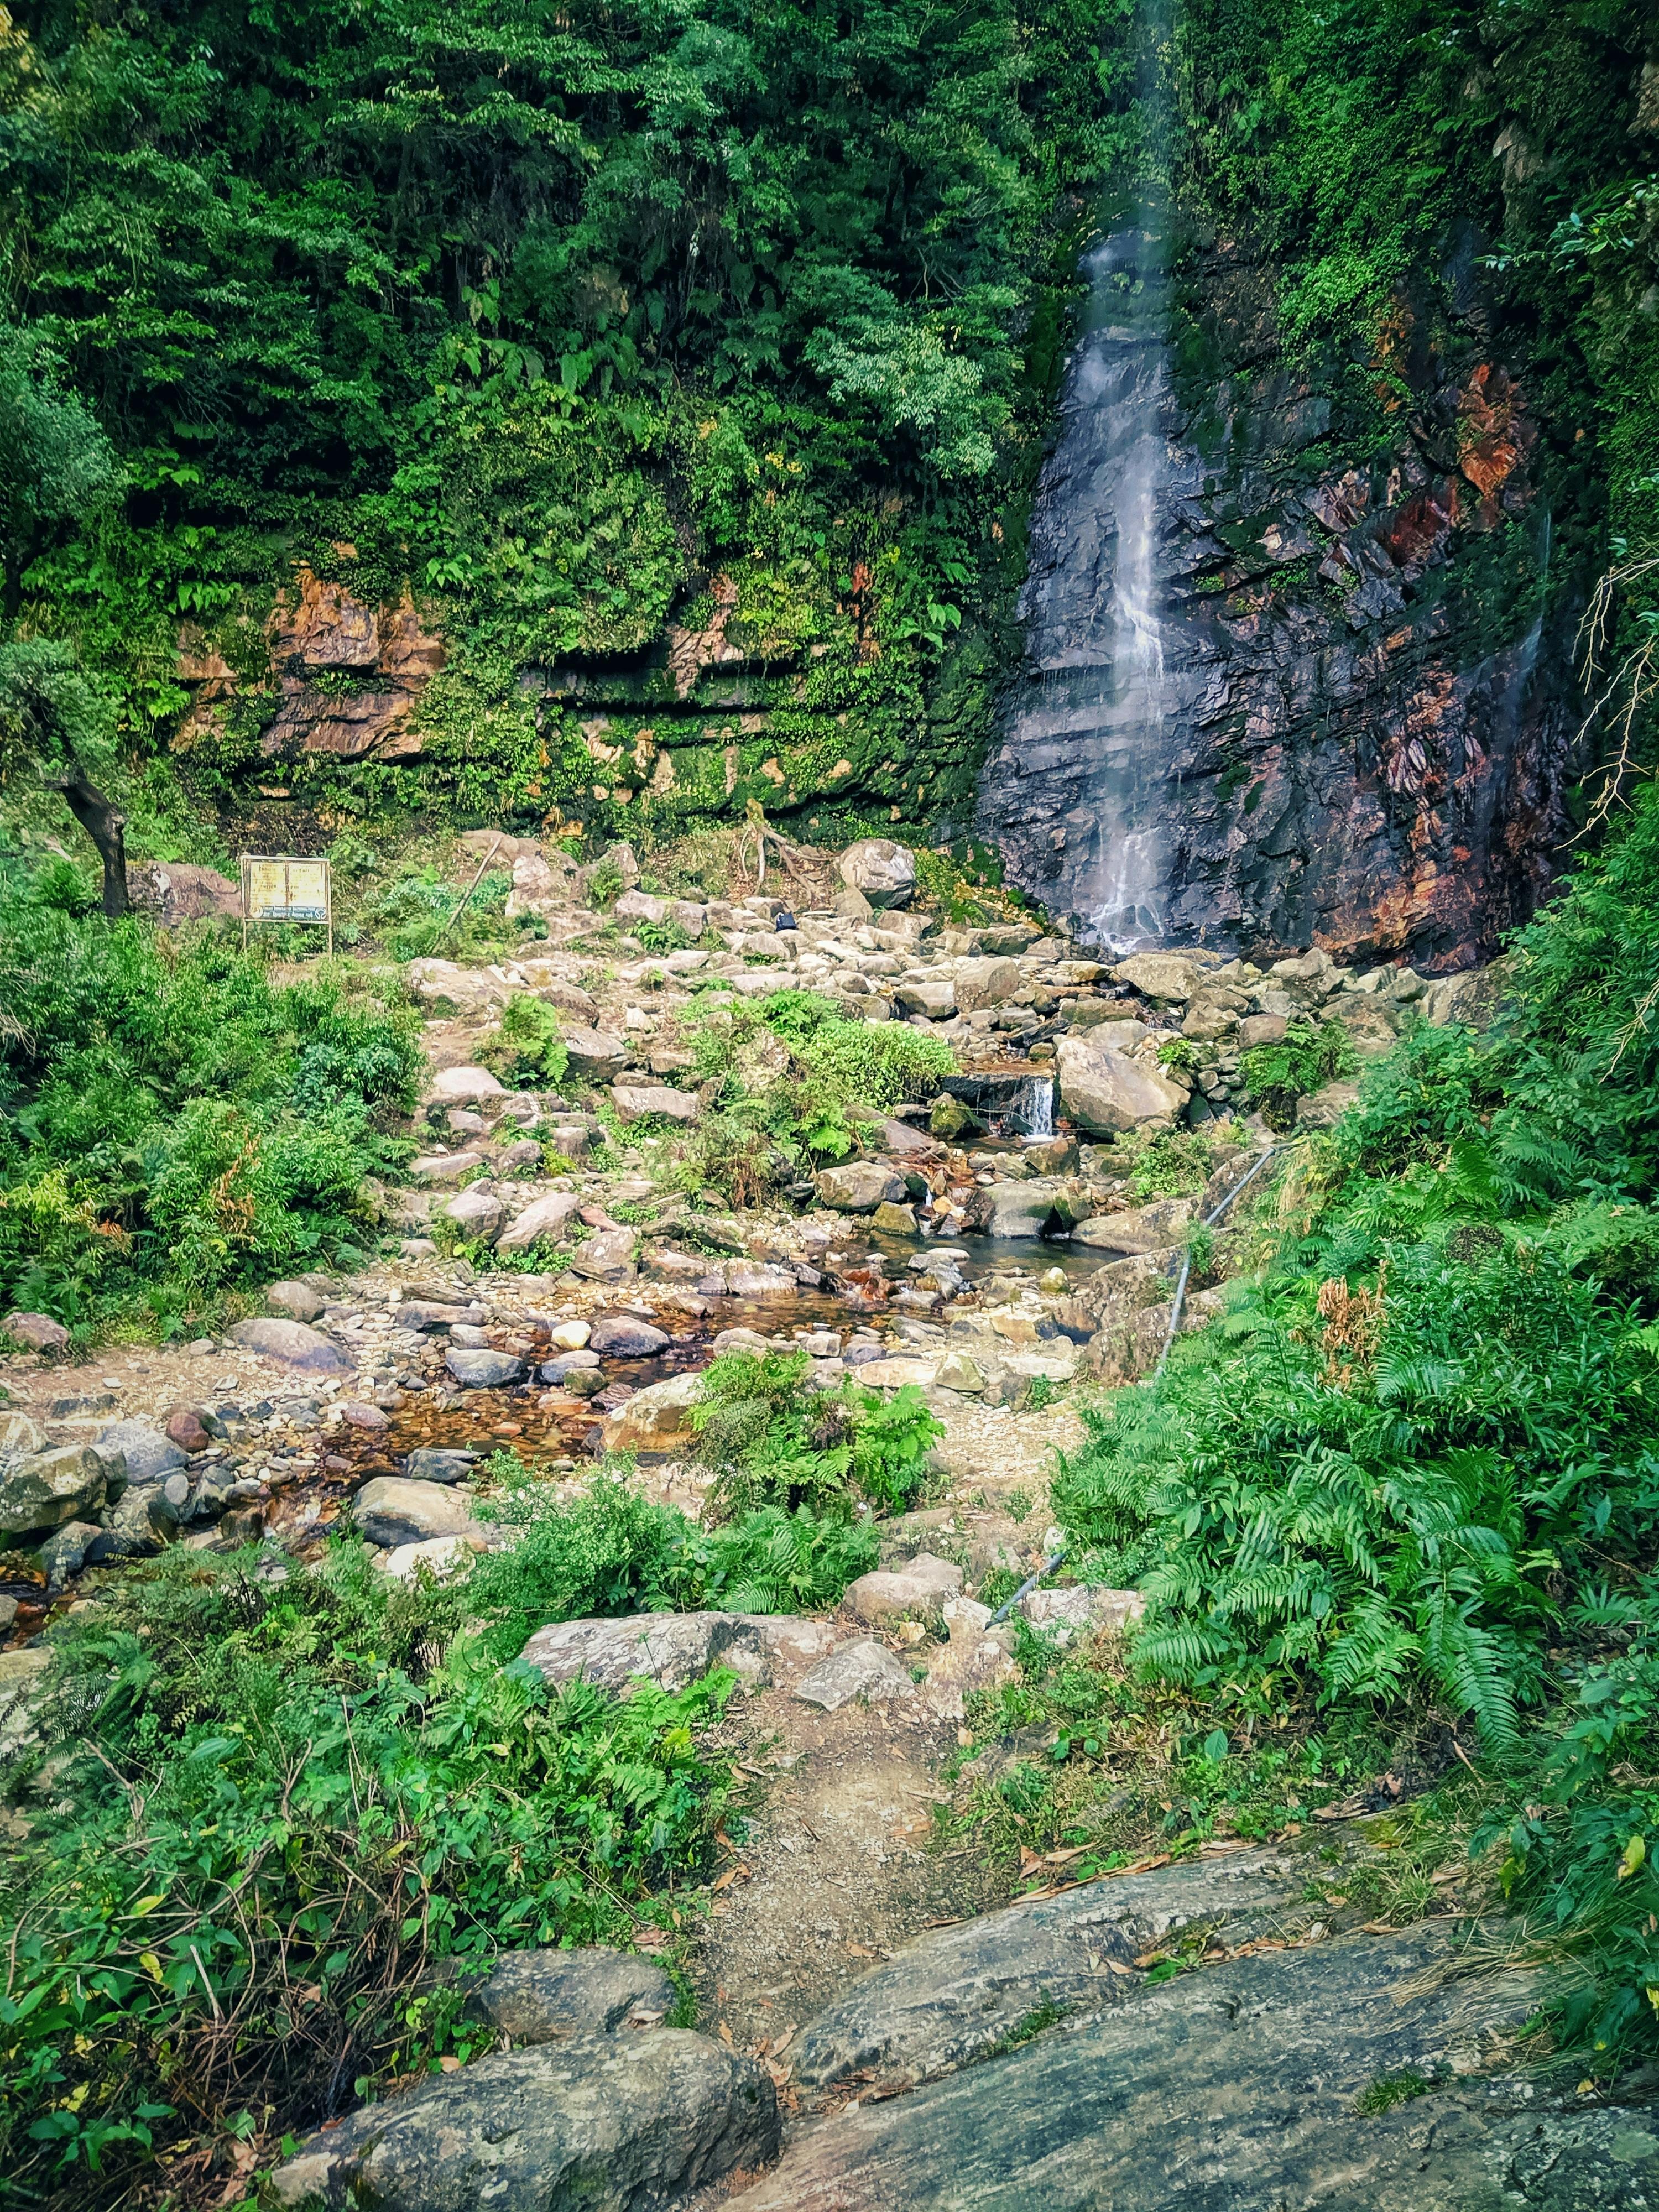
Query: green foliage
[[773, 1443], [787, 1075], [613, 1551], [1307, 1057], [527, 1050], [555, 321], [273, 1812], [172, 1124]]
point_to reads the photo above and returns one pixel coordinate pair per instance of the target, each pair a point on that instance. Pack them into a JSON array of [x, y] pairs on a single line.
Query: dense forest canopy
[[556, 317]]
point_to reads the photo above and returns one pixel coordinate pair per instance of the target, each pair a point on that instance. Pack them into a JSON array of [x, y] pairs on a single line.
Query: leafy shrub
[[612, 1551], [528, 1049], [774, 1444], [1307, 1057], [1378, 1487], [308, 1810], [170, 1122]]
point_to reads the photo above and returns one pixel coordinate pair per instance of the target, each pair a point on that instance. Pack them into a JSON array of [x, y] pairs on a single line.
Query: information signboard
[[283, 887]]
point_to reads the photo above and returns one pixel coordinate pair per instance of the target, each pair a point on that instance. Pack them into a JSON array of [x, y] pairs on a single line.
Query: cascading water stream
[[1086, 752]]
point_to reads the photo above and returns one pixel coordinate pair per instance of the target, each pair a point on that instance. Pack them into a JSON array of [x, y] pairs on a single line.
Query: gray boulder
[[638, 1102], [621, 1337], [860, 1185], [479, 1369], [38, 1331], [1022, 1208], [150, 1453], [294, 1344], [551, 1995], [594, 1056], [952, 1996], [478, 1214], [985, 982], [607, 1256], [1241, 2088], [1323, 1109], [1103, 1090], [391, 1510], [1152, 1228], [862, 1670], [65, 1551], [670, 1649], [297, 1300], [607, 2124], [50, 1488], [436, 1463], [882, 872], [543, 1216]]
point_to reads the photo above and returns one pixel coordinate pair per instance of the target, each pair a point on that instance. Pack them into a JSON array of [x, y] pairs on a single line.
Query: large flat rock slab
[[1236, 2090], [609, 2124], [955, 1995]]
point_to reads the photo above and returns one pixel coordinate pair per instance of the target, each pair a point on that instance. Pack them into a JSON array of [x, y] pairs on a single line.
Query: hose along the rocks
[[1179, 1300]]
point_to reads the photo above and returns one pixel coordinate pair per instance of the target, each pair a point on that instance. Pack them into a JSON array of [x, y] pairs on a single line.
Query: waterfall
[[1075, 788]]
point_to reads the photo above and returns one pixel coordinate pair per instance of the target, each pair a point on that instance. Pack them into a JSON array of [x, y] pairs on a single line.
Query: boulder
[[21, 1687], [478, 1214], [891, 1220], [953, 1996], [639, 1102], [1249, 2085], [956, 1371], [1127, 1347], [186, 1429], [392, 1510], [427, 1314], [546, 983], [893, 1373], [671, 1648], [1152, 1228], [1015, 1208], [464, 1086], [1472, 998], [150, 1453], [882, 872], [985, 982], [65, 1551], [622, 1337], [935, 997], [910, 1592], [437, 1463], [1261, 1028], [37, 1332], [610, 2123], [298, 1300], [477, 1368], [445, 1167], [1102, 1089], [864, 1669], [1323, 1109], [553, 1996], [446, 983], [1083, 1609], [441, 1557], [543, 1217], [293, 1344], [761, 1281], [860, 1185], [594, 1056], [50, 1488], [606, 1257], [1167, 978], [656, 1420]]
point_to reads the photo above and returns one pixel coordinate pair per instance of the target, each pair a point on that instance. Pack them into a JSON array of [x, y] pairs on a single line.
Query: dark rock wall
[[1365, 713]]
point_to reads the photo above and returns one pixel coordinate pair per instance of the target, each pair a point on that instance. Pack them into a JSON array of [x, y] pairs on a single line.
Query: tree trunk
[[106, 827]]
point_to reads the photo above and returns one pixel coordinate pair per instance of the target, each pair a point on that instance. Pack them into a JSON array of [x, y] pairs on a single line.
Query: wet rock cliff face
[[1293, 677]]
